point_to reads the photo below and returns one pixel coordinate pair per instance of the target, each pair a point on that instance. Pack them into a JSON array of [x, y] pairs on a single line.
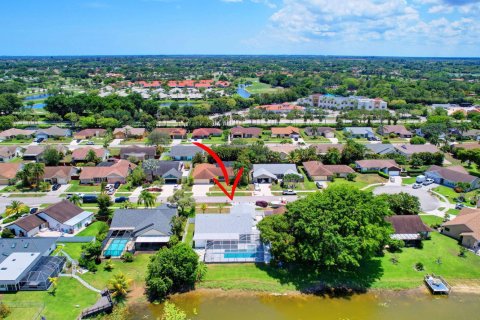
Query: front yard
[[75, 186], [361, 180], [451, 195]]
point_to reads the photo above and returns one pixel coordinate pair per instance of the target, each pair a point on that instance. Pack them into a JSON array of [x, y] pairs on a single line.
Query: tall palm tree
[[14, 208], [38, 170], [119, 285], [147, 198], [75, 199]]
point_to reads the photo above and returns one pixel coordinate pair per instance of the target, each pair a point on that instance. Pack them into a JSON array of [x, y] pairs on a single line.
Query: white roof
[[15, 264], [153, 239], [405, 236], [78, 218]]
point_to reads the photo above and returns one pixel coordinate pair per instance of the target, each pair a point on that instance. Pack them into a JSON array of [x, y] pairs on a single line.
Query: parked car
[[90, 199], [154, 189], [392, 179], [257, 186], [117, 185], [319, 185], [56, 186], [38, 140], [109, 186], [175, 187], [289, 192], [459, 206], [261, 203], [428, 182], [110, 192], [121, 199], [33, 210], [69, 195], [416, 186], [90, 143]]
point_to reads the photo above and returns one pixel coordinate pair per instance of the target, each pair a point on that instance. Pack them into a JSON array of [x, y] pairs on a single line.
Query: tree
[[171, 270], [119, 285], [75, 199], [333, 156], [402, 203], [203, 207], [51, 156], [137, 177], [417, 140], [182, 200], [172, 312], [352, 152], [336, 229], [147, 198], [91, 156], [104, 202], [7, 234], [177, 225], [31, 173], [15, 208], [54, 285], [158, 138]]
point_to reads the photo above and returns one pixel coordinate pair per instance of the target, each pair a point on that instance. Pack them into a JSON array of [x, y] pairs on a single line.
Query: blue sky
[[324, 27]]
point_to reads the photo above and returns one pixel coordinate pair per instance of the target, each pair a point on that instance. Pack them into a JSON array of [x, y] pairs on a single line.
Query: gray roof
[[54, 131], [240, 220], [381, 148], [359, 130], [184, 151], [144, 221], [274, 168], [165, 168], [9, 246]]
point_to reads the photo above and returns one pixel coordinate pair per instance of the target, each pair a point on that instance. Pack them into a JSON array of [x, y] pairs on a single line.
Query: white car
[[428, 182], [109, 186], [416, 186], [257, 187]]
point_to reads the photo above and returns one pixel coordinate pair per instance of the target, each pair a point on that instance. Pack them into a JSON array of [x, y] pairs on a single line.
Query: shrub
[[462, 252], [4, 310], [419, 266], [351, 176], [396, 245], [127, 257], [383, 174]]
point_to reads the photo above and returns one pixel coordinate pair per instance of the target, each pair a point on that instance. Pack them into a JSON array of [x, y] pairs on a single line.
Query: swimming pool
[[116, 248], [240, 254]]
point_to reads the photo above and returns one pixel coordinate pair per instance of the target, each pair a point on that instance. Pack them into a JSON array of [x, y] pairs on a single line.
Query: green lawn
[[71, 298], [450, 194], [74, 250], [258, 87], [214, 140], [75, 186], [453, 212], [430, 220], [411, 180], [361, 181], [27, 195], [380, 272], [190, 230], [92, 230]]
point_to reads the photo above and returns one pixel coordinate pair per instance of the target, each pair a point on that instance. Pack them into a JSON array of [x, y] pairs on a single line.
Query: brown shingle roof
[[121, 168], [285, 130], [409, 224], [63, 211], [29, 222], [453, 173], [376, 163], [57, 172], [90, 132], [9, 170], [249, 130], [201, 132], [316, 168], [323, 147], [150, 151]]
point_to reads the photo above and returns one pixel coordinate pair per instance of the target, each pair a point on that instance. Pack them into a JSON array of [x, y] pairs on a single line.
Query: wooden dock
[[437, 284], [104, 304]]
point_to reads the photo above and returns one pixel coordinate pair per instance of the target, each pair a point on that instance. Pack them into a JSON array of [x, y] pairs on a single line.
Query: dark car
[[121, 199], [56, 186], [261, 203], [69, 195], [33, 210], [90, 199], [117, 185]]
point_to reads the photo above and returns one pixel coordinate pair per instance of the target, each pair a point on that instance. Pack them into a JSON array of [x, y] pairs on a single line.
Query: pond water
[[37, 97], [38, 106], [242, 92], [213, 305]]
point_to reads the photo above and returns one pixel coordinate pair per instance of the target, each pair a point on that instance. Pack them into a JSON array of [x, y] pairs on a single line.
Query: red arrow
[[224, 170]]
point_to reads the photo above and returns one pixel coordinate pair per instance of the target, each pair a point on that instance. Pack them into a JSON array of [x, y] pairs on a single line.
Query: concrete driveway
[[200, 190], [265, 190], [428, 202], [168, 190], [115, 143], [63, 188]]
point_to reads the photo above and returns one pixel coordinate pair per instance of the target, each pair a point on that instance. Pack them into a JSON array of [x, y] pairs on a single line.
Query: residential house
[[326, 132], [205, 133], [322, 148], [58, 174], [398, 130], [53, 132], [386, 166], [173, 133], [8, 172], [473, 134], [450, 176], [7, 153], [129, 132], [28, 226], [409, 149], [110, 172], [169, 171], [380, 148], [35, 153], [285, 132], [359, 132], [465, 227], [249, 132], [231, 237], [138, 152], [66, 217], [27, 264], [409, 228], [80, 154], [14, 133], [184, 152], [271, 172], [89, 133], [203, 173], [318, 171], [139, 229]]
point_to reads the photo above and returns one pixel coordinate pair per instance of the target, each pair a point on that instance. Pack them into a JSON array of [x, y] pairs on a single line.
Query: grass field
[[450, 194], [361, 181], [92, 230], [379, 273], [190, 230], [409, 180], [74, 250], [258, 87], [75, 186], [430, 220]]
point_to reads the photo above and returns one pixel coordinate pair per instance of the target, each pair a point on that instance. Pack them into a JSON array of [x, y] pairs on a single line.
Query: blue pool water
[[116, 248], [240, 254], [38, 106]]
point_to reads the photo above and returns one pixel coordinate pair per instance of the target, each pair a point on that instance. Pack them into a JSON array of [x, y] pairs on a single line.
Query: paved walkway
[[333, 140], [134, 196], [115, 143]]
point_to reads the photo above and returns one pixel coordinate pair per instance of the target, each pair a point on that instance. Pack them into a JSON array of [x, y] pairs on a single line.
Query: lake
[[37, 97], [390, 305], [242, 92]]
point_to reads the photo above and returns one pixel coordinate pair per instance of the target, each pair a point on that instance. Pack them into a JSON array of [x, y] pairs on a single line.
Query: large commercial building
[[329, 101]]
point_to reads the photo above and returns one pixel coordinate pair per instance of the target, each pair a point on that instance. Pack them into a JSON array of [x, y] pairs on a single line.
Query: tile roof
[[316, 168], [91, 132], [284, 107], [285, 130], [8, 151], [322, 148], [172, 131], [62, 211], [248, 130], [416, 148], [209, 171], [398, 129], [201, 132], [134, 149], [453, 173], [54, 131], [16, 132], [469, 218], [377, 163], [131, 131], [57, 172], [9, 170], [120, 168]]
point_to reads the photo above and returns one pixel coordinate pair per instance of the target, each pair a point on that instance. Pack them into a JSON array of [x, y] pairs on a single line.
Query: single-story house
[[204, 133], [450, 176], [283, 149], [409, 149], [8, 172], [184, 152], [322, 148], [359, 132], [409, 228], [58, 174], [138, 152], [28, 226], [129, 132], [66, 217], [231, 237], [170, 171], [80, 154], [285, 132], [271, 172], [14, 132], [90, 133], [473, 134], [380, 148], [53, 132], [9, 152], [35, 153], [249, 132], [110, 171], [203, 173], [398, 130], [27, 264], [140, 229], [386, 166], [326, 132], [465, 227], [318, 171], [173, 133]]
